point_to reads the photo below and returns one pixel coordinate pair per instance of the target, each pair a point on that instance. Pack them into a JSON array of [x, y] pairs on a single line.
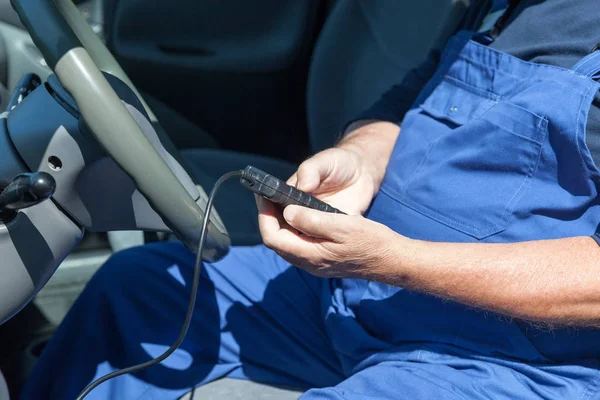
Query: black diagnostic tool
[[277, 191]]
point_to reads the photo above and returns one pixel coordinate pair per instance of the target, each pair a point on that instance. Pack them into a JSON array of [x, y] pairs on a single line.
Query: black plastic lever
[[24, 191]]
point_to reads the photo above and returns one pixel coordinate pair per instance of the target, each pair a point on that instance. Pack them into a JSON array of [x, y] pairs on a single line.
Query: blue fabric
[[493, 151], [256, 318]]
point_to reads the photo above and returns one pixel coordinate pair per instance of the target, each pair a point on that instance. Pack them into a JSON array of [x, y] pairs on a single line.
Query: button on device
[[278, 192]]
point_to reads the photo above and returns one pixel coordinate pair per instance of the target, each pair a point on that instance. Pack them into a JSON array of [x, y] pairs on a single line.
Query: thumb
[[316, 223], [312, 172]]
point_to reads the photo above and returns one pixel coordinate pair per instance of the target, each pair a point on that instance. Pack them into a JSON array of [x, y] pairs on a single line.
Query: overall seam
[[400, 198], [591, 388], [509, 208], [577, 141], [419, 167], [526, 64], [518, 195], [520, 78], [579, 66]]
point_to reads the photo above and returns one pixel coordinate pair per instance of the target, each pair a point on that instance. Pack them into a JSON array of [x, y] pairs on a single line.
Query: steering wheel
[[75, 54]]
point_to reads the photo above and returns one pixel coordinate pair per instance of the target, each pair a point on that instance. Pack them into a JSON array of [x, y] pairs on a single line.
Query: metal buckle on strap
[[483, 38]]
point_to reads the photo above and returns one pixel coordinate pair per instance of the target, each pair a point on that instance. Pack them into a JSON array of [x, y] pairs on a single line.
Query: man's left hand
[[329, 245]]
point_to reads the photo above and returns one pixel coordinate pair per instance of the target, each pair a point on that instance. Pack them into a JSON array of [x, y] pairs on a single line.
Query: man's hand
[[552, 281], [339, 177], [347, 177], [331, 245], [328, 245]]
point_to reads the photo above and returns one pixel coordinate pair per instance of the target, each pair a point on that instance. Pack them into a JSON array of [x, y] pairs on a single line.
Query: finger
[[312, 172], [317, 224], [293, 181], [262, 205], [276, 232], [269, 217], [294, 247]]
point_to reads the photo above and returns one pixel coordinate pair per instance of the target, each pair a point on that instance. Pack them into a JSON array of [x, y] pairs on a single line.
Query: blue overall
[[493, 151]]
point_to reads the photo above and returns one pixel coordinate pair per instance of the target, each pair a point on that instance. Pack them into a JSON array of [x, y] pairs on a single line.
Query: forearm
[[553, 281], [373, 141]]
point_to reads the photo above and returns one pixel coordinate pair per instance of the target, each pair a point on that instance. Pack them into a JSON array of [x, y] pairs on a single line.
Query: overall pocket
[[478, 164]]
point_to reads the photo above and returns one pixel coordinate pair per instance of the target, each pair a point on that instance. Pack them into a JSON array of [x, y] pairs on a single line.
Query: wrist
[[398, 261], [368, 165], [355, 125]]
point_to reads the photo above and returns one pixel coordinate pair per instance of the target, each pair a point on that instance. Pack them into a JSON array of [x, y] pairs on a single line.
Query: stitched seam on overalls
[[520, 78], [482, 64], [584, 98], [144, 392], [510, 207], [543, 120], [520, 136], [433, 144], [579, 67], [419, 355], [537, 127], [591, 388], [458, 395], [450, 221], [419, 167], [517, 60], [413, 205], [473, 89], [437, 216]]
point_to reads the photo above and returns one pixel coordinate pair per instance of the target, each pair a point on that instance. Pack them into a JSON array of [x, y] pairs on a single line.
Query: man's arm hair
[[555, 282]]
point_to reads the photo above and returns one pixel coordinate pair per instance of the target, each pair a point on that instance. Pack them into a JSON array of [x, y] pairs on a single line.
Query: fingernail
[[289, 213], [301, 185]]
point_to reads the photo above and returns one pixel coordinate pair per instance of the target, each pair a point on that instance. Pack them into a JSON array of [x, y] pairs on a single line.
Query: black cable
[[191, 304]]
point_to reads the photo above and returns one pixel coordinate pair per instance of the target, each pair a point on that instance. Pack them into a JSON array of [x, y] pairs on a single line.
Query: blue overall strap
[[589, 65]]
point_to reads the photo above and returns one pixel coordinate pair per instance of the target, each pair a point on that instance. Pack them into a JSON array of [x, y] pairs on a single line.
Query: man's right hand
[[337, 176], [348, 176]]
